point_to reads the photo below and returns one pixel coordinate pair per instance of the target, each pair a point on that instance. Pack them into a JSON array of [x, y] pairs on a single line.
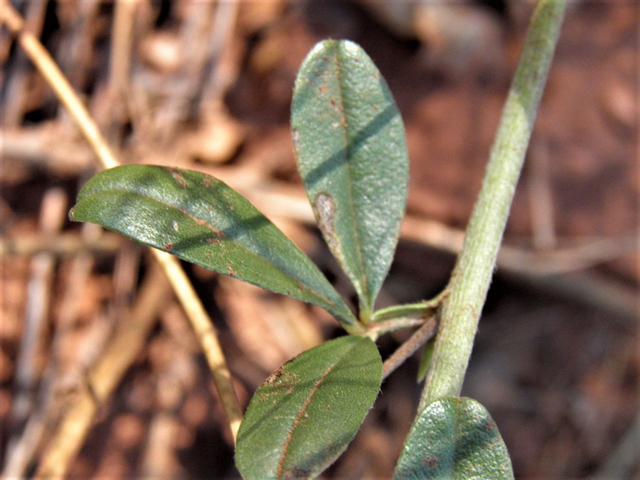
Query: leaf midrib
[[201, 222], [355, 219], [296, 422]]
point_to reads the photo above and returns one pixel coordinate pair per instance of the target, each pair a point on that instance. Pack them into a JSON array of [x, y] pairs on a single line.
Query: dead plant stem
[[184, 290], [104, 377]]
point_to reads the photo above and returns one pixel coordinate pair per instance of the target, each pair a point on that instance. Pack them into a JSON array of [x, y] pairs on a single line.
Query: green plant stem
[[420, 309], [470, 281]]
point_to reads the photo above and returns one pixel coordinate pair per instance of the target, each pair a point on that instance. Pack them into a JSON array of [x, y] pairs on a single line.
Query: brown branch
[[408, 348], [52, 214], [58, 83], [59, 244], [105, 376]]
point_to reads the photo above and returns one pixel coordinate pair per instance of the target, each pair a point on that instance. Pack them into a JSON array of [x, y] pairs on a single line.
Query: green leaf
[[425, 361], [352, 155], [202, 220], [306, 413], [454, 438]]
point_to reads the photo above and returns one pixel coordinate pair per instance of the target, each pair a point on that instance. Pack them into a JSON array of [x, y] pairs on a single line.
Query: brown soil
[[556, 359]]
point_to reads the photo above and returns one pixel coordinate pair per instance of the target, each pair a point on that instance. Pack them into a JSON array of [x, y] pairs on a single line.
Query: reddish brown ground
[[556, 359]]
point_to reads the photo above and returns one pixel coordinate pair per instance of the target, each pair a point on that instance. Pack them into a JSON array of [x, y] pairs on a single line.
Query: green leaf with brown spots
[[202, 220], [306, 413], [456, 439], [351, 152]]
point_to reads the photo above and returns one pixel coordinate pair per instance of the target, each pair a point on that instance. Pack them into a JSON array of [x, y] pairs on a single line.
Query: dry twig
[[31, 436], [40, 287], [195, 311], [59, 244], [105, 376]]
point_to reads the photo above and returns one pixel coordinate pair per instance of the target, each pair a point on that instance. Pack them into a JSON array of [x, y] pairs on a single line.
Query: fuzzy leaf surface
[[454, 438], [202, 220], [352, 155], [306, 413]]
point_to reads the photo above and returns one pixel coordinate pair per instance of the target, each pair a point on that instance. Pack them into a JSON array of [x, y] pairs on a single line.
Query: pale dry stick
[[47, 146], [52, 401], [287, 202], [30, 440], [18, 79], [219, 72], [125, 276], [77, 48], [196, 313], [546, 271], [541, 198], [120, 61], [121, 46], [23, 451], [173, 383], [56, 80], [620, 302], [574, 258], [53, 212], [282, 200], [208, 338], [159, 459], [186, 81], [60, 245], [105, 376]]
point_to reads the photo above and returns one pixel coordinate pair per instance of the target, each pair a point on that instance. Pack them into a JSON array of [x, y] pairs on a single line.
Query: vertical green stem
[[461, 310]]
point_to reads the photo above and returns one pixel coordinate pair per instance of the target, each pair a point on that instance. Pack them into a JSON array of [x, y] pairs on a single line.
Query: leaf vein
[[205, 223], [296, 422], [354, 219]]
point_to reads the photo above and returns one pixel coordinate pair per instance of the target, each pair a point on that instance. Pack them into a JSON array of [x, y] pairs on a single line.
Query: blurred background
[[207, 85]]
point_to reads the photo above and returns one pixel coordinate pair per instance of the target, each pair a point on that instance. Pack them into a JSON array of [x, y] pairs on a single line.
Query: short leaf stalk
[[420, 309], [469, 284]]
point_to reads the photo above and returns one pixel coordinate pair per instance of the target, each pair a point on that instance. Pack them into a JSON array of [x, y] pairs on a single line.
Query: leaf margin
[[253, 464], [421, 454], [366, 264], [121, 180]]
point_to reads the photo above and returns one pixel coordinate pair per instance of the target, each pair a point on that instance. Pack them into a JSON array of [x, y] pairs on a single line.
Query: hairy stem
[[408, 348], [461, 310]]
